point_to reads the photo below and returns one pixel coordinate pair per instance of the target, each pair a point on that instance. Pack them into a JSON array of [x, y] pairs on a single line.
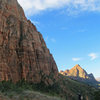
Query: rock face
[[78, 73], [23, 52]]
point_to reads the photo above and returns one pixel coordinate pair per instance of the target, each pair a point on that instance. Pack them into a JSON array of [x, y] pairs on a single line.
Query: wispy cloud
[[35, 22], [53, 40], [72, 6], [93, 56], [48, 39], [76, 59], [81, 31], [64, 28]]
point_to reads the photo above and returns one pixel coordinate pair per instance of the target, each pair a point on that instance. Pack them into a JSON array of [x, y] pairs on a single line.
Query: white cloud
[[53, 40], [35, 6], [93, 56], [76, 59], [35, 22], [48, 39]]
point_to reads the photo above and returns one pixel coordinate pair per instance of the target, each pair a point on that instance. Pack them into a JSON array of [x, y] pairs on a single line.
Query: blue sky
[[71, 29]]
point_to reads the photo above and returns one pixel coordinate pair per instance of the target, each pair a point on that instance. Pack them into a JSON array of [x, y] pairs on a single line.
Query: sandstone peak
[[78, 67], [23, 52], [11, 7], [78, 72]]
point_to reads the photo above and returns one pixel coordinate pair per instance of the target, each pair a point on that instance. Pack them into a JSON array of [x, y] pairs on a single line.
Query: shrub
[[97, 95], [8, 86]]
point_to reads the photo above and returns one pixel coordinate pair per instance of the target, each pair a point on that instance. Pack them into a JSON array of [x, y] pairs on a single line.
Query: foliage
[[8, 86], [64, 88], [97, 95]]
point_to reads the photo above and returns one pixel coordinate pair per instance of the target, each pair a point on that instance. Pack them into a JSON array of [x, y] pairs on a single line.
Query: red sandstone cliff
[[23, 52]]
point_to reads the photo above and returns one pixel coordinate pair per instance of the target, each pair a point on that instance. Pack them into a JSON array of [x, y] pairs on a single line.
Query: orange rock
[[23, 52], [78, 72]]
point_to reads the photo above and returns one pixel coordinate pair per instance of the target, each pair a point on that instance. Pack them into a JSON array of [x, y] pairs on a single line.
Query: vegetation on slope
[[10, 89], [97, 95], [64, 88], [73, 88]]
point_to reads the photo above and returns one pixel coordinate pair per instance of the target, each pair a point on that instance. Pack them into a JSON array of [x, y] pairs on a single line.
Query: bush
[[8, 86], [97, 95]]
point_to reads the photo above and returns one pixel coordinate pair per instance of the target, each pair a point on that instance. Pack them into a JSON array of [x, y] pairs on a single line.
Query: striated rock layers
[[78, 73], [23, 52]]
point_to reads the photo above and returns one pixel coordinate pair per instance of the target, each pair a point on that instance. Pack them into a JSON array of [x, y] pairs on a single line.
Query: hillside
[[73, 88], [64, 89], [27, 95]]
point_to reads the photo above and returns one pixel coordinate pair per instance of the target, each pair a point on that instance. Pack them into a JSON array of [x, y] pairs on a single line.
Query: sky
[[71, 30]]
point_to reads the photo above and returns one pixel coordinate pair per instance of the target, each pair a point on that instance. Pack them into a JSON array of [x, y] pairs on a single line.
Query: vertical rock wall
[[23, 52]]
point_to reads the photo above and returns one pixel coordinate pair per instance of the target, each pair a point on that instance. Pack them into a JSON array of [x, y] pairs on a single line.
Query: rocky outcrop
[[23, 52], [77, 72]]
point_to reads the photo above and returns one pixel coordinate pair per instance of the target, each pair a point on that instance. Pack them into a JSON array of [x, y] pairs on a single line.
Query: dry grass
[[28, 95]]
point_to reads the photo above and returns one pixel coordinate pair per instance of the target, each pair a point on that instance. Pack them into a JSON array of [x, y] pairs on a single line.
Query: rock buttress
[[23, 52]]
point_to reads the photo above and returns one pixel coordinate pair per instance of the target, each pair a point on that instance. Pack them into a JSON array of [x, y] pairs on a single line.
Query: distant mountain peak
[[78, 72], [78, 67]]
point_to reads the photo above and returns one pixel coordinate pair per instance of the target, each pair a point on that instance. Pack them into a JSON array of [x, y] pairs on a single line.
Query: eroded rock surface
[[23, 52]]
